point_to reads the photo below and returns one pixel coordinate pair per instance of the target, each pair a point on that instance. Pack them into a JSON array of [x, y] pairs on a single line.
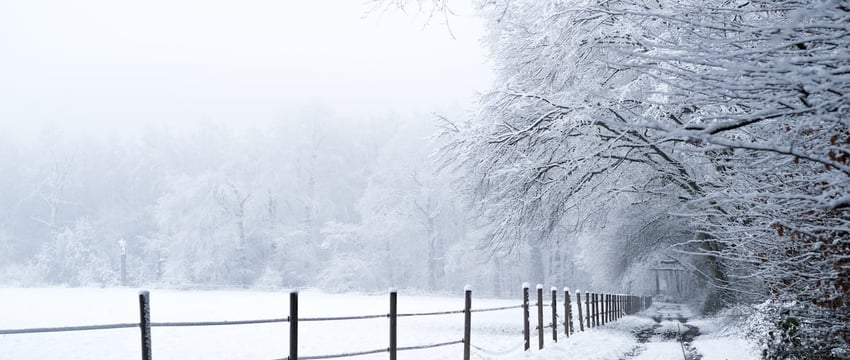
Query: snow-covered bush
[[76, 257]]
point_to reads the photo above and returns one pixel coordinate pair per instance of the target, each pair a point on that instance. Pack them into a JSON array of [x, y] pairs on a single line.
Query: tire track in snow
[[670, 338]]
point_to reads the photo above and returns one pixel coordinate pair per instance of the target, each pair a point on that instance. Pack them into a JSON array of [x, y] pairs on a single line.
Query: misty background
[[260, 145]]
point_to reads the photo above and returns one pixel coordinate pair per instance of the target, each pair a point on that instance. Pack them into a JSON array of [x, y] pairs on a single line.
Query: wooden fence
[[599, 310]]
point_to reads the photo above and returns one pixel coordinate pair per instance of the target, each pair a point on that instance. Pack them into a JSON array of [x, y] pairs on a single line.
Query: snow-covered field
[[24, 308], [495, 335]]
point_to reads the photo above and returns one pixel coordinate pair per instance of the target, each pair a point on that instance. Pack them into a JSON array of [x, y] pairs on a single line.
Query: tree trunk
[[718, 293]]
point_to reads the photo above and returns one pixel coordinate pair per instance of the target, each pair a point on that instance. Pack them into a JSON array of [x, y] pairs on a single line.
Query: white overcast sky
[[113, 64]]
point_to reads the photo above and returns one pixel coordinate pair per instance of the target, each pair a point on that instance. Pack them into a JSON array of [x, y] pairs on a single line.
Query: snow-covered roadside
[[664, 332], [721, 342], [725, 348], [595, 344]]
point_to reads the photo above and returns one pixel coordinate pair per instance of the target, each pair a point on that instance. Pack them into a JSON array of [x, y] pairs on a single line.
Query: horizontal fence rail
[[433, 313], [594, 309], [497, 308], [218, 323], [343, 318], [69, 328]]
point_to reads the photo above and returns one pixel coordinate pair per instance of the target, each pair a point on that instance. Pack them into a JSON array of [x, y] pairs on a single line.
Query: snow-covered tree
[[735, 114], [77, 257]]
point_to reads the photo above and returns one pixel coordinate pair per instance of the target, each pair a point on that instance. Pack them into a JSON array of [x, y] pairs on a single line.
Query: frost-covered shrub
[[799, 331], [75, 258], [348, 273]]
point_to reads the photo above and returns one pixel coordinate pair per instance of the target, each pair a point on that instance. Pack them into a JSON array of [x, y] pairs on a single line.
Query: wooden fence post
[[616, 307], [467, 321], [540, 316], [526, 331], [554, 314], [587, 307], [621, 306], [393, 324], [568, 314], [607, 307], [293, 325], [578, 306], [607, 317], [593, 309], [598, 311], [603, 308], [145, 324]]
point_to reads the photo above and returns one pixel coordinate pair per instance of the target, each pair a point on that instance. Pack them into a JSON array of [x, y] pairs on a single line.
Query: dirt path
[[671, 336]]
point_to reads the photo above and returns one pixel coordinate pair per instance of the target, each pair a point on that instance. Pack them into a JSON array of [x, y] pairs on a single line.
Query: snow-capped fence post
[[603, 308], [578, 306], [607, 317], [568, 314], [526, 327], [595, 308], [616, 307], [600, 313], [293, 325], [618, 302], [554, 314], [467, 322], [540, 316], [393, 324], [598, 309], [606, 300], [622, 306], [587, 307], [145, 324]]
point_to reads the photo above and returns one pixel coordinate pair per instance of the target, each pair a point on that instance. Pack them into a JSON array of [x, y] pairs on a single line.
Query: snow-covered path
[[663, 332], [671, 337]]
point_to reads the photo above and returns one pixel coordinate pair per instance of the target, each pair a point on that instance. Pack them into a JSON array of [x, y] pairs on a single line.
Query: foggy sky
[[102, 64]]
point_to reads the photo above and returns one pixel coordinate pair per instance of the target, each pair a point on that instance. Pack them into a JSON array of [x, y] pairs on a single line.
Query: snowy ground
[[496, 335], [23, 308], [663, 332]]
